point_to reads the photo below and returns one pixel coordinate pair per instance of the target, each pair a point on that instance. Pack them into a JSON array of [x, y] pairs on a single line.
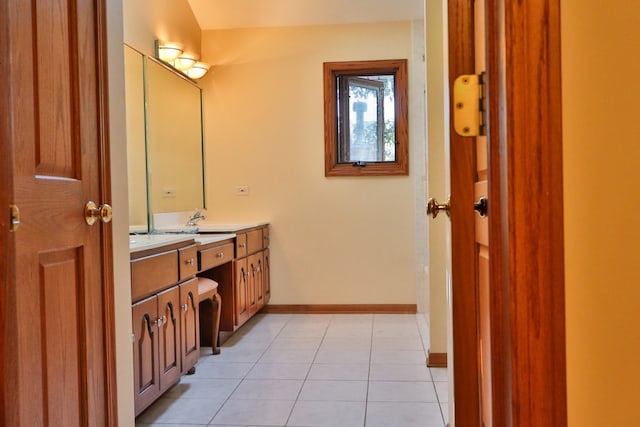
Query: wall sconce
[[173, 55]]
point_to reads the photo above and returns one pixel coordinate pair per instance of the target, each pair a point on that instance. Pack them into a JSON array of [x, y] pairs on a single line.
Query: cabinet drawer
[[188, 262], [254, 241], [153, 273], [213, 257], [241, 245]]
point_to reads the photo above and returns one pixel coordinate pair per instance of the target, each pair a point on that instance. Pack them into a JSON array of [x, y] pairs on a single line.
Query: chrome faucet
[[193, 219]]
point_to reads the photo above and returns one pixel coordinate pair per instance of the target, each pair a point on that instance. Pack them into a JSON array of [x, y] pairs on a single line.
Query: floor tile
[[191, 387], [389, 372], [223, 370], [276, 355], [254, 413], [185, 411], [296, 343], [338, 372], [405, 414], [402, 391], [344, 391], [327, 414], [343, 356], [279, 371], [395, 343], [442, 389], [268, 390], [439, 374], [398, 357]]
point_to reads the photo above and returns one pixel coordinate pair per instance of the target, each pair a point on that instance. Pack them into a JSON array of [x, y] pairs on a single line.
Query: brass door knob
[[434, 208], [93, 213]]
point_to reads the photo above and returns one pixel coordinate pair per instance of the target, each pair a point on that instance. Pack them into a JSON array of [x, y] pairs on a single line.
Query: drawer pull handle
[[242, 245], [190, 261], [220, 255], [185, 307]]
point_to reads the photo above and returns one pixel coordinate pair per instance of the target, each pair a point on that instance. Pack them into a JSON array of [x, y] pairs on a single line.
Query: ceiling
[[218, 14]]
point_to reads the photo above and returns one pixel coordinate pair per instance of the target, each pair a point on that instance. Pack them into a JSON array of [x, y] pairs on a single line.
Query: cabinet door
[[256, 286], [241, 279], [266, 276], [169, 337], [145, 353], [190, 336]]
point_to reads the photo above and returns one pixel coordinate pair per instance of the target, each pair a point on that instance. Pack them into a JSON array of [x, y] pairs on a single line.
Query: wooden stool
[[210, 305]]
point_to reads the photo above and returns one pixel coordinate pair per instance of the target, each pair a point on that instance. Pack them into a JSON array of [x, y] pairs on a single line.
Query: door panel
[[169, 337], [62, 297], [145, 352], [241, 292], [189, 324]]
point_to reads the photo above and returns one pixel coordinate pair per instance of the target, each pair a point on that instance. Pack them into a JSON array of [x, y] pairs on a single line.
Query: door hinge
[[469, 105], [14, 216]]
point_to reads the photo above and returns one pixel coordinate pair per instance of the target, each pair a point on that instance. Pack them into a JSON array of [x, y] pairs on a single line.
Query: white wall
[[601, 204], [334, 240]]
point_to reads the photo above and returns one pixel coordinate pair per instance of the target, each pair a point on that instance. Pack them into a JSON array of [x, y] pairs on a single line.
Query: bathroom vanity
[[164, 296]]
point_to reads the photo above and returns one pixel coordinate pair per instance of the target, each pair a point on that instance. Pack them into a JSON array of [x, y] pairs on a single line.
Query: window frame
[[331, 71]]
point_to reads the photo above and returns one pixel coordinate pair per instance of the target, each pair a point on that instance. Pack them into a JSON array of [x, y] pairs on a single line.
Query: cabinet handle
[[242, 245], [190, 261], [185, 307], [220, 255]]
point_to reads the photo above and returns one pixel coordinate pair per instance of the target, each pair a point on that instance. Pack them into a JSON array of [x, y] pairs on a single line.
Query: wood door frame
[[525, 216], [8, 336]]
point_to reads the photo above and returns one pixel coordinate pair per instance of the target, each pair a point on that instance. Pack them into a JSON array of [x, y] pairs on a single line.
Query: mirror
[[164, 141], [175, 167], [136, 147], [366, 130]]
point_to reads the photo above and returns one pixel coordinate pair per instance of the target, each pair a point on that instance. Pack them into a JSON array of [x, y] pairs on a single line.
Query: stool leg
[[216, 303]]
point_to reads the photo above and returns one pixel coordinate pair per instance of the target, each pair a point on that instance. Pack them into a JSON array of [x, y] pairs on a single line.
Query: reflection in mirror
[[366, 125], [174, 137], [136, 157]]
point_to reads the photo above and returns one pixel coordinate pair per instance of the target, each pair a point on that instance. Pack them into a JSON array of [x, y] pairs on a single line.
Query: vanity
[[168, 326]]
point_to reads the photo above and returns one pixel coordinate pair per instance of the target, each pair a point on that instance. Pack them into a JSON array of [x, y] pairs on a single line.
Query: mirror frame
[[333, 70]]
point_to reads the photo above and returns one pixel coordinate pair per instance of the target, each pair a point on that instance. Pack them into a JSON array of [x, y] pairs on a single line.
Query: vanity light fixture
[[173, 54], [198, 70], [184, 61], [168, 51]]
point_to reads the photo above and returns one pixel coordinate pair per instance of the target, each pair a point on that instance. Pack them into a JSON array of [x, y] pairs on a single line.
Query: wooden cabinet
[[165, 320], [244, 285]]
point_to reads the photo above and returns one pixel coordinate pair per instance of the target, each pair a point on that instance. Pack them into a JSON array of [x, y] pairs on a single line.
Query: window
[[366, 126]]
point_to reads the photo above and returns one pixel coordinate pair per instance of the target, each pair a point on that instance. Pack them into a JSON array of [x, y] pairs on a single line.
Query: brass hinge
[[469, 105], [14, 216]]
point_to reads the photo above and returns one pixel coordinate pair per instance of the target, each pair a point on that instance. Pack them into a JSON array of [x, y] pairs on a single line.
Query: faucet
[[193, 219]]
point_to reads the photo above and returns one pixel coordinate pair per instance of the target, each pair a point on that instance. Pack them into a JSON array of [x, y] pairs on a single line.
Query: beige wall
[[334, 240], [168, 20], [602, 231]]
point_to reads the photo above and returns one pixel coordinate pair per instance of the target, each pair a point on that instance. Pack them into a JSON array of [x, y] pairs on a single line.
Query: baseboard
[[341, 308], [437, 360]]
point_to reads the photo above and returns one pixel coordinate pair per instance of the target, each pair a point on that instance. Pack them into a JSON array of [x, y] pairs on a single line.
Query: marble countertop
[[205, 239]]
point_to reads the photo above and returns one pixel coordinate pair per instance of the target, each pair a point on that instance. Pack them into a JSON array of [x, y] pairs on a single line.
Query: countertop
[[206, 227], [143, 242]]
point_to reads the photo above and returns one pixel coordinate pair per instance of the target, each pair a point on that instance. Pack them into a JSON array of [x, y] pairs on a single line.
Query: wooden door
[[508, 268], [190, 336], [169, 356], [58, 355], [240, 291], [146, 380]]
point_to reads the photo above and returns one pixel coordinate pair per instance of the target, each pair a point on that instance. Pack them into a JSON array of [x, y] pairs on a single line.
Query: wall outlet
[[169, 192], [242, 190]]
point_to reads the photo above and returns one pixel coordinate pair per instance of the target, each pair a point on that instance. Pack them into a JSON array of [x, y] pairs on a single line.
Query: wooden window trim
[[397, 67]]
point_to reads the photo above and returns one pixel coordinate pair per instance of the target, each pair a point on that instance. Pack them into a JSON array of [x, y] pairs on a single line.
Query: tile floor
[[312, 370]]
